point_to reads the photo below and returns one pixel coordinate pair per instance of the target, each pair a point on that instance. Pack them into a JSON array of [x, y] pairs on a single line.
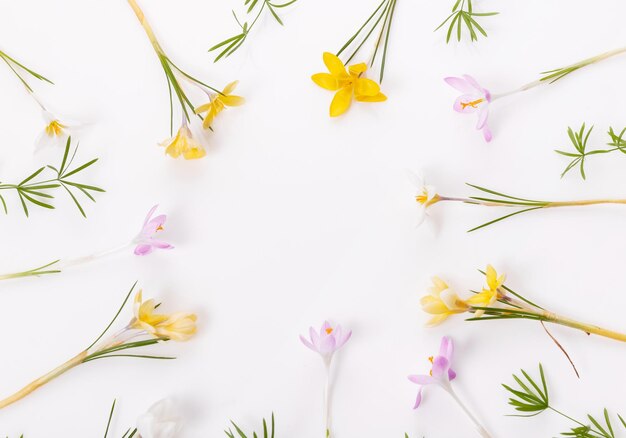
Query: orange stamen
[[473, 103], [329, 330]]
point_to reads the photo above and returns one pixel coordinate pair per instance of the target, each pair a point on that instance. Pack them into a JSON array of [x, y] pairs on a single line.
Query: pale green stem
[[479, 427], [576, 66], [327, 363]]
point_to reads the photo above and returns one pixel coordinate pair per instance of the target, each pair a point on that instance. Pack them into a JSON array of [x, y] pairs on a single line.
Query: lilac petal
[[459, 83], [446, 348], [418, 400], [422, 379], [345, 338], [483, 114], [150, 213], [328, 345], [440, 367], [307, 343], [315, 338], [153, 225], [470, 80], [143, 249], [160, 244], [487, 133], [324, 328], [451, 374], [460, 104]]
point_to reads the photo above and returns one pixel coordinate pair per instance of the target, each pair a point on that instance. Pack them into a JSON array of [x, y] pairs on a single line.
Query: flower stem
[[327, 400], [479, 427], [564, 71], [587, 328], [73, 362], [146, 26]]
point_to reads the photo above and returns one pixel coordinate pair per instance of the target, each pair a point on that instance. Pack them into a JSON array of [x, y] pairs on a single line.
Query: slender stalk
[[568, 69], [146, 26], [479, 427], [327, 400], [73, 362], [549, 204], [587, 328]]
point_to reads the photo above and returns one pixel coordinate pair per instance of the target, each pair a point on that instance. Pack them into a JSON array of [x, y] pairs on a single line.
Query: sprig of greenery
[[579, 140], [532, 399], [524, 205], [130, 432], [17, 67], [267, 432], [231, 44], [381, 18], [463, 14], [35, 192]]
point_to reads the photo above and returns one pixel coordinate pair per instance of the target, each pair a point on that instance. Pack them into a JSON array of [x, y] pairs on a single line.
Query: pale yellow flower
[[184, 144], [488, 296], [442, 302], [177, 326], [218, 103], [347, 84]]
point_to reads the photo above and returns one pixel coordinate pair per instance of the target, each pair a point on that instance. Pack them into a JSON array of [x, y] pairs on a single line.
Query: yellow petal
[[433, 305], [326, 81], [230, 87], [208, 119], [366, 87], [204, 108], [436, 320], [358, 69], [194, 152], [334, 65], [231, 100], [341, 102], [380, 97]]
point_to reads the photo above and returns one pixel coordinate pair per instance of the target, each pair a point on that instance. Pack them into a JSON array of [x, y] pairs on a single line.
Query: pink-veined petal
[[487, 133], [149, 215], [460, 84], [315, 338], [307, 343], [446, 349], [440, 367], [483, 115], [143, 249], [471, 81], [160, 244], [451, 374], [418, 400], [422, 379]]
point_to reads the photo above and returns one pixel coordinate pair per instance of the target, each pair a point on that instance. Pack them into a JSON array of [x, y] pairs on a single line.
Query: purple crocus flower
[[474, 99], [441, 373], [145, 240], [327, 341]]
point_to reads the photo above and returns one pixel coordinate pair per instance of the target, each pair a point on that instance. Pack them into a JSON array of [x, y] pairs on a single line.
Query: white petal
[[416, 178], [161, 421]]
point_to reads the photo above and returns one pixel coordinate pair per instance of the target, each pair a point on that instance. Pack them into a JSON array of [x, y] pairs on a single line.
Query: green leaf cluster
[[532, 398], [523, 205], [231, 44], [17, 68], [463, 15], [36, 192], [268, 432], [579, 140], [381, 19]]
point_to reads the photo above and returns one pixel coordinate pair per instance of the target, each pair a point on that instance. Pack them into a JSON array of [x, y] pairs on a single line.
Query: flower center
[[160, 228], [329, 330], [473, 103], [422, 199], [54, 128]]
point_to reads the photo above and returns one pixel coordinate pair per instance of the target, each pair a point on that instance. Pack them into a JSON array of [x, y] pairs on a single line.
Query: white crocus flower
[[55, 132], [425, 195], [160, 421]]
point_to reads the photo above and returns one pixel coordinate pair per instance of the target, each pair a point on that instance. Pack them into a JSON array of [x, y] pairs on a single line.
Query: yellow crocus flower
[[218, 103], [177, 326], [442, 302], [183, 144], [347, 84], [487, 297]]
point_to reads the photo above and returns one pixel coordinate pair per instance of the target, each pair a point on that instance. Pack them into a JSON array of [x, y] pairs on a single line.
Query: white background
[[293, 218]]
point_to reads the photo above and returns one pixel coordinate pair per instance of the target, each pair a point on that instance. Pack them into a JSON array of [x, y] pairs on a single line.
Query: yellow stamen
[[473, 103], [431, 359], [329, 330], [160, 228], [54, 129]]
